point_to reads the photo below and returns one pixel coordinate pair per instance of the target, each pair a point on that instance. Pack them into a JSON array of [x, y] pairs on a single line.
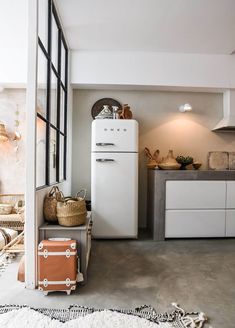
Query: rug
[[12, 316], [6, 260]]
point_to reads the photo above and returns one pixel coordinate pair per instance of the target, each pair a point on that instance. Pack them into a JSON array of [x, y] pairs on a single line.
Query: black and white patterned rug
[[85, 317]]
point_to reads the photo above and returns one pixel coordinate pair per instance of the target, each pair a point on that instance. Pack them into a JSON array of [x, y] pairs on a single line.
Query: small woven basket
[[72, 212], [50, 204]]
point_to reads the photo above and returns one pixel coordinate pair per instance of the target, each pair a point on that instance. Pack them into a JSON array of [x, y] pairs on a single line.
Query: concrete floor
[[197, 274]]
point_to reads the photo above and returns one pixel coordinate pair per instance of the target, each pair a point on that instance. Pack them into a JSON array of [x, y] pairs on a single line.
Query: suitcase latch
[[45, 253], [68, 283], [45, 282], [68, 253]]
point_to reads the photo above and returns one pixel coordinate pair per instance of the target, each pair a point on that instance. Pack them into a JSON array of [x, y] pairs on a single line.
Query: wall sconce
[[5, 137], [185, 108], [3, 133], [17, 136]]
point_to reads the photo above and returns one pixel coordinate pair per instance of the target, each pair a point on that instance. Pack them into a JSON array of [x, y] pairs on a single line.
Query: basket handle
[[59, 195], [53, 190], [79, 192]]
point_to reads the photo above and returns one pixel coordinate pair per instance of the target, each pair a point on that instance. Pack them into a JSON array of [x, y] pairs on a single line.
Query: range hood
[[227, 124]]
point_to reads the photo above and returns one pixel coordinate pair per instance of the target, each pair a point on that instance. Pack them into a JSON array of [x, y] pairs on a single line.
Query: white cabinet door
[[195, 223], [195, 194], [230, 223], [114, 195], [230, 200]]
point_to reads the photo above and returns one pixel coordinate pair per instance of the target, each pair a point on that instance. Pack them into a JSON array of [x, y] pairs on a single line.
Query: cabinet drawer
[[230, 223], [197, 223], [195, 194], [230, 200]]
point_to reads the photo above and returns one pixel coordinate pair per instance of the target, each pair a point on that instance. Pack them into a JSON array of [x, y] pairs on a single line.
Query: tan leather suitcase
[[57, 265]]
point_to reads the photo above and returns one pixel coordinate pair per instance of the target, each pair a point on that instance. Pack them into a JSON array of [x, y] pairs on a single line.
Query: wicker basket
[[50, 203], [15, 220], [16, 200], [72, 212]]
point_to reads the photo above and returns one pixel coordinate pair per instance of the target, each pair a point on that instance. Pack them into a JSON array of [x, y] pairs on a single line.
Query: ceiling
[[185, 26]]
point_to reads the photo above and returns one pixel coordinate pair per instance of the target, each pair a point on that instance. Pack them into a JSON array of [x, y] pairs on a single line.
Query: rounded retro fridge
[[114, 178]]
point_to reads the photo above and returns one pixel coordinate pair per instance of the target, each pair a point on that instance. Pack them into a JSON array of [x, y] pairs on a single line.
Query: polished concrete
[[197, 274]]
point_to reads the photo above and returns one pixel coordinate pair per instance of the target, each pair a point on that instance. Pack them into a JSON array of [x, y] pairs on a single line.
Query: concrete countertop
[[194, 174]]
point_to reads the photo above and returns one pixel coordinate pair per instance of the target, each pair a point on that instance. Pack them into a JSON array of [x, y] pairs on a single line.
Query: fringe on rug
[[179, 318], [191, 320]]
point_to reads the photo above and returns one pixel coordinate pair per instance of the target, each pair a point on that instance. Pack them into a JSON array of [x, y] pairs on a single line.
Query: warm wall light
[[17, 136], [185, 108], [3, 133]]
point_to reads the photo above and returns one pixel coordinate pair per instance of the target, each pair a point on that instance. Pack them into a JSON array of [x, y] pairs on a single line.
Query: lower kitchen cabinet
[[194, 223], [191, 203], [195, 194], [230, 223]]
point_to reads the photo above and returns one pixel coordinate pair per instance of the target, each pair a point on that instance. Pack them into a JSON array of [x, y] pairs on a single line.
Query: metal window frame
[[60, 131]]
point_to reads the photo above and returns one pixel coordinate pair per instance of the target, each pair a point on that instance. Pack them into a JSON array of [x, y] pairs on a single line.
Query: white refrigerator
[[114, 178]]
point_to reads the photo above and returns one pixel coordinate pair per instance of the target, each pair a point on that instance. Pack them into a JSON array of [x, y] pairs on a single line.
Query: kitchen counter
[[192, 174], [157, 192]]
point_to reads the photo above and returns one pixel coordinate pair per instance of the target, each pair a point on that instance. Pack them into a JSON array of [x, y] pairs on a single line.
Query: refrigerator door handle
[[102, 160], [104, 144]]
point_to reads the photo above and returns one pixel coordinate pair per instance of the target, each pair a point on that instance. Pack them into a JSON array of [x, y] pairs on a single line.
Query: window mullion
[[48, 96], [58, 108]]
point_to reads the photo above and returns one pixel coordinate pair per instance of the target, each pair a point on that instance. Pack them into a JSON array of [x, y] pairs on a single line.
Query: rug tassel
[[191, 322]]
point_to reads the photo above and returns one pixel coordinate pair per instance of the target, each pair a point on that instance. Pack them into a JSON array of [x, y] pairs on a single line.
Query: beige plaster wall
[[12, 154], [161, 125]]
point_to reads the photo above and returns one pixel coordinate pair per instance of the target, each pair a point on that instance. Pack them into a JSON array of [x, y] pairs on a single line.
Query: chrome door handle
[[104, 144], [104, 160]]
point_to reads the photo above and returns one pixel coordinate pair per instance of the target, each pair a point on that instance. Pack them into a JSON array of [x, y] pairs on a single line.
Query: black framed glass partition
[[51, 97]]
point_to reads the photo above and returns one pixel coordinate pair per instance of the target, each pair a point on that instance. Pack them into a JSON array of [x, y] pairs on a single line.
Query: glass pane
[[41, 153], [53, 111], [42, 83], [63, 63], [43, 21], [61, 157], [62, 109], [52, 155], [54, 44]]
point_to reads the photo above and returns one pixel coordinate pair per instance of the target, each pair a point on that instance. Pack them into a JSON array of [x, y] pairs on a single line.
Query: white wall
[[152, 69], [162, 127], [12, 161], [13, 37]]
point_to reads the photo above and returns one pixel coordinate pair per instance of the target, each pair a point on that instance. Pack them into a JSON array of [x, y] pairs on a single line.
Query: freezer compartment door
[[114, 195], [114, 135]]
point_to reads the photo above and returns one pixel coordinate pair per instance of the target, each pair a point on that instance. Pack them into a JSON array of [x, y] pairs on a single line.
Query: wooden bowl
[[197, 165], [170, 166]]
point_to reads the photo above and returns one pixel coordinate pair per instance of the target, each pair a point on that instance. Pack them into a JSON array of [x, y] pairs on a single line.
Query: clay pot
[[169, 163], [125, 112]]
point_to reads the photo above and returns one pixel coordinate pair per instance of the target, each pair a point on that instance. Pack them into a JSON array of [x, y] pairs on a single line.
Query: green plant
[[184, 160]]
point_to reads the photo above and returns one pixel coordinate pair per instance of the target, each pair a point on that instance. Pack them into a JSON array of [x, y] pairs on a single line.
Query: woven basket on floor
[[72, 212]]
